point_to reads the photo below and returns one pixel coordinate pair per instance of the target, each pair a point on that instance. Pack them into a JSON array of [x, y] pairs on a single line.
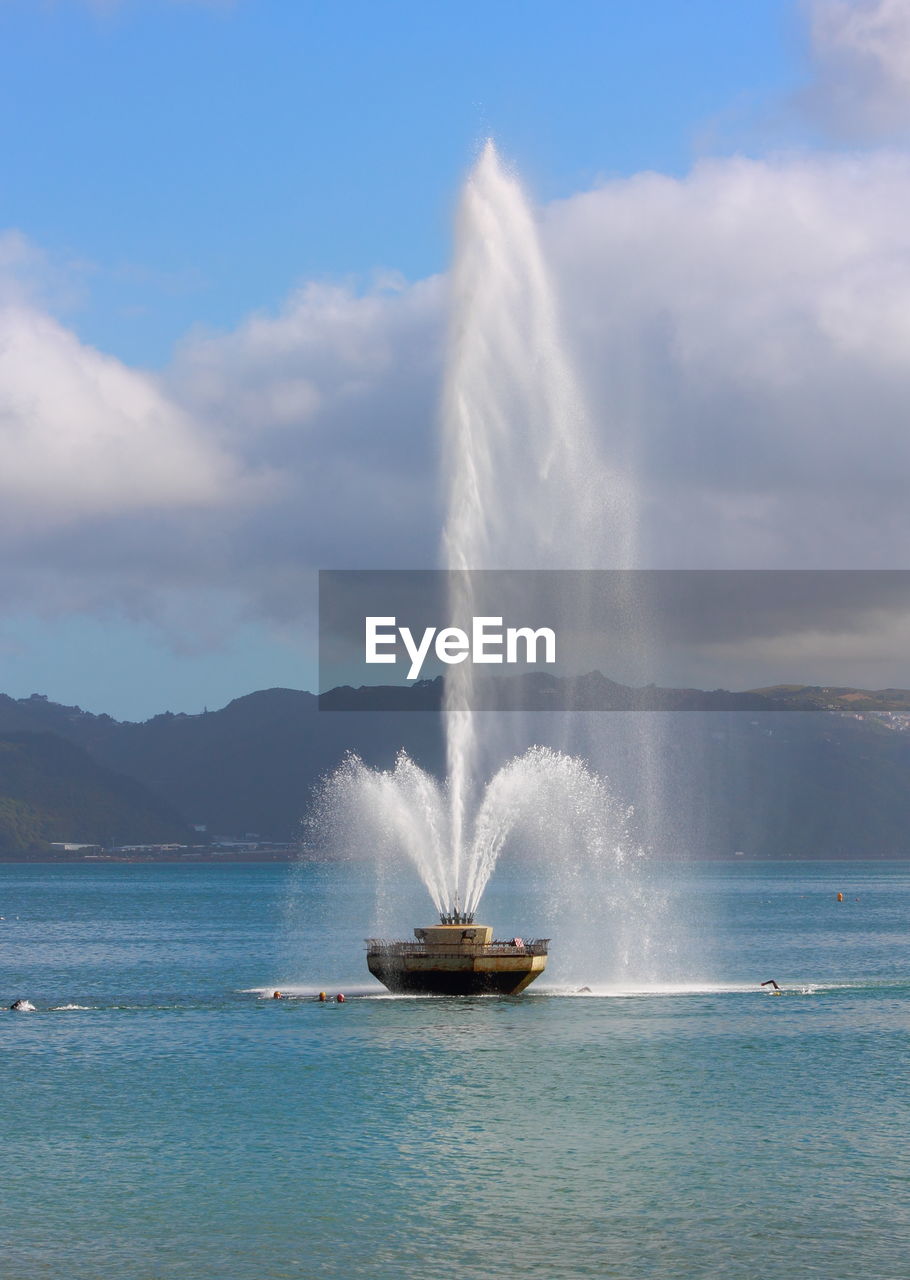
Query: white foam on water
[[306, 991], [633, 990], [628, 990], [623, 990]]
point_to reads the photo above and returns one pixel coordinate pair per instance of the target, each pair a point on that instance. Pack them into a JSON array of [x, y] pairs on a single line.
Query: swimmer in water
[[771, 983], [23, 1005]]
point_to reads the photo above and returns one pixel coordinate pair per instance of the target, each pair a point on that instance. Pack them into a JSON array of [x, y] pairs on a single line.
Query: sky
[[224, 236]]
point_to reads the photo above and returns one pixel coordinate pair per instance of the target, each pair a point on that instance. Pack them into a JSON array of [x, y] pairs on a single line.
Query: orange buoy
[[276, 995], [322, 996], [840, 897]]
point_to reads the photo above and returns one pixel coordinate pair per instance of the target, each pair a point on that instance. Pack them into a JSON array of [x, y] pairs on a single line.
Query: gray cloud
[[861, 52]]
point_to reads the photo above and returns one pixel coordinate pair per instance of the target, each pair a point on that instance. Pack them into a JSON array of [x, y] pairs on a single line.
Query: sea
[[164, 1118]]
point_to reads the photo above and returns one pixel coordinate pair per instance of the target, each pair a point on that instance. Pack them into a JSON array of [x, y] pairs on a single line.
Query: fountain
[[543, 799], [525, 490]]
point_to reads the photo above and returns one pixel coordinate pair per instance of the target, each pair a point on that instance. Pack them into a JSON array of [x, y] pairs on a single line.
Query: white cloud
[[746, 330], [302, 439], [743, 333], [83, 435], [861, 50], [338, 393]]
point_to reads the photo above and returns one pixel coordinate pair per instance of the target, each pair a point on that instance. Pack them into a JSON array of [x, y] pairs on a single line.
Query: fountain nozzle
[[456, 917]]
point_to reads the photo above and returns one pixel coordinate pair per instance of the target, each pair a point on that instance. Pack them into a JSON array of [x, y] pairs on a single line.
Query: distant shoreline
[[248, 858]]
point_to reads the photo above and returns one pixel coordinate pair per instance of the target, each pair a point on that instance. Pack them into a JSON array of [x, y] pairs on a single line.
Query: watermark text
[[487, 642]]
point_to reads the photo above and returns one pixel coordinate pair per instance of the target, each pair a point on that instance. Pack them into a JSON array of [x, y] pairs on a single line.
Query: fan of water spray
[[543, 798]]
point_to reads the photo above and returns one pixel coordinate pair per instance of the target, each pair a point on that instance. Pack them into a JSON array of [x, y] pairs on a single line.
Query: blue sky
[[219, 224], [190, 162]]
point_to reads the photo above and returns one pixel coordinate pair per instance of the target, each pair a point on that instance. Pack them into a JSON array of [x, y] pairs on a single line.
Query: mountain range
[[739, 771]]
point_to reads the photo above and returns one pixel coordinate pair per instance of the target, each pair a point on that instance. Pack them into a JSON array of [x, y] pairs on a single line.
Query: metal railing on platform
[[394, 947]]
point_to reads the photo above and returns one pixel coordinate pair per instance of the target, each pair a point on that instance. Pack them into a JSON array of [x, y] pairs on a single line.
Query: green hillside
[[52, 790], [249, 767]]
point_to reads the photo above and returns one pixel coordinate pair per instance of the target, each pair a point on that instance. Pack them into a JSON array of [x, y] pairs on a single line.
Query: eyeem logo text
[[487, 642]]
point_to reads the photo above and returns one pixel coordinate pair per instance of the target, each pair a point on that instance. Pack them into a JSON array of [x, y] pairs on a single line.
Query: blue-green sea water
[[163, 1118]]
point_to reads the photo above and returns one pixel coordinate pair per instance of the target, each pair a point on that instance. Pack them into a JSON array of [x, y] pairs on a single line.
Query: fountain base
[[456, 960]]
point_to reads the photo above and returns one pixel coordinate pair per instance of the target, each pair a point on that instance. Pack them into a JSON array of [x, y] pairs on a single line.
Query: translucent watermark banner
[[607, 640]]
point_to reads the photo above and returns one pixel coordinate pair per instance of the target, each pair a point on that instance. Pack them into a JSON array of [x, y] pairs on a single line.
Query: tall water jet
[[525, 486], [525, 490]]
